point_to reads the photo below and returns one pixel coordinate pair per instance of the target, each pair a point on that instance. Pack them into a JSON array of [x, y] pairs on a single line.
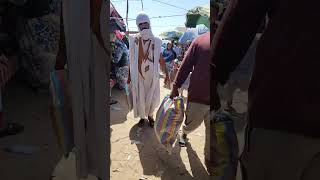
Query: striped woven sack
[[168, 121], [61, 110]]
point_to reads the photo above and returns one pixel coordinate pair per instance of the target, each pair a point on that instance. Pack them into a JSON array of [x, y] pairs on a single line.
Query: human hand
[[174, 92]]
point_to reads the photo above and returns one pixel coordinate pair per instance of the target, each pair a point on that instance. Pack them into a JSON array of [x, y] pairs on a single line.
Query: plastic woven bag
[[226, 147], [129, 96], [61, 110], [168, 121]]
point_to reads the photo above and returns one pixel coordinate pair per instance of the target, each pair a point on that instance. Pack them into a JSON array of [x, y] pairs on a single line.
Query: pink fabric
[[119, 34]]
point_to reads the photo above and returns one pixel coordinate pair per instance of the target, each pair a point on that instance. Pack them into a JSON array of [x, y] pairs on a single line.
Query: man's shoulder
[[203, 36], [157, 39], [201, 39], [133, 36]]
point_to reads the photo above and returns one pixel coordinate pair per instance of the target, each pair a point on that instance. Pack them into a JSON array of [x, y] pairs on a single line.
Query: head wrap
[[142, 17]]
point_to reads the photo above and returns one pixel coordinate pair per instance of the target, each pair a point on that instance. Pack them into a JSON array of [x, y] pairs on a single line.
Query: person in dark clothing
[[283, 93]]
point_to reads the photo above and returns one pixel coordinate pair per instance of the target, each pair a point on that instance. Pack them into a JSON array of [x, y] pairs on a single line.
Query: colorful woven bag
[[61, 110], [168, 121], [226, 148]]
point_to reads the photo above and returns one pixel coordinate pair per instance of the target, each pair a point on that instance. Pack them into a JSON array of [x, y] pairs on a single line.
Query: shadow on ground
[[157, 162], [121, 106], [24, 106]]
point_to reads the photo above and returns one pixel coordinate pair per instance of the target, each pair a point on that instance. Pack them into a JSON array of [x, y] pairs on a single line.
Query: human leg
[[195, 115]]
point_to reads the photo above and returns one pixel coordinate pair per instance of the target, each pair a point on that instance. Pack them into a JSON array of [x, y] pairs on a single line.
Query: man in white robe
[[145, 60]]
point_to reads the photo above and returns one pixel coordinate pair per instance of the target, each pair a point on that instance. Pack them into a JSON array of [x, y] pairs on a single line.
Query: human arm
[[187, 65], [132, 40], [164, 67], [174, 55], [235, 34], [185, 68]]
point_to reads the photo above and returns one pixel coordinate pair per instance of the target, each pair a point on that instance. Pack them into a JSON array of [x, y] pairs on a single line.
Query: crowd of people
[[172, 54], [282, 122], [282, 102], [145, 80]]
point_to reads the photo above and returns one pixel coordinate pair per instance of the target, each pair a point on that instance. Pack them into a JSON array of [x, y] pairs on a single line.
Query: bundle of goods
[[116, 21]]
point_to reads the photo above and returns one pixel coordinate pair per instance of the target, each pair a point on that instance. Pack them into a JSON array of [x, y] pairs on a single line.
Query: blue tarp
[[189, 35], [192, 33], [202, 29]]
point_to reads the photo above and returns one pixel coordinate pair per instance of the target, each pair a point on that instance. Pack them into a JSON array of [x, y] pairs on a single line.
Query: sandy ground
[[144, 159], [147, 159]]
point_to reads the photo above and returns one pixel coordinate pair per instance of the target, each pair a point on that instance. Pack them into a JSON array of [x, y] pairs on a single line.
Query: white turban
[[142, 18]]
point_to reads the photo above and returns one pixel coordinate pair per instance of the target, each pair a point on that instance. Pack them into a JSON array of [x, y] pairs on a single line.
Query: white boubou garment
[[145, 86]]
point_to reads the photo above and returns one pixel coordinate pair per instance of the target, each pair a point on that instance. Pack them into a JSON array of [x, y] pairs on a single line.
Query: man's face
[[144, 25]]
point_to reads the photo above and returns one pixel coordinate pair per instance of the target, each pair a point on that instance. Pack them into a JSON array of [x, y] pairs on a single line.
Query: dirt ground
[[135, 154]]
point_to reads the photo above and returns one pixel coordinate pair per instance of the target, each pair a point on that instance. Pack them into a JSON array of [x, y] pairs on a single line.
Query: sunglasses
[[144, 25]]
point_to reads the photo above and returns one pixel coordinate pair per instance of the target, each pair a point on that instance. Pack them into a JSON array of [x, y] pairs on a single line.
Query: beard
[[146, 34]]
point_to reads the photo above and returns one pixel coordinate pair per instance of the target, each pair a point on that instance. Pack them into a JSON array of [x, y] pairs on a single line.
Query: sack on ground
[[61, 110], [168, 121]]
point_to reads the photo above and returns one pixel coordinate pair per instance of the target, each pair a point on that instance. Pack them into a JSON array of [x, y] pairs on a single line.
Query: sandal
[[112, 102], [12, 129], [141, 123], [151, 122], [183, 140]]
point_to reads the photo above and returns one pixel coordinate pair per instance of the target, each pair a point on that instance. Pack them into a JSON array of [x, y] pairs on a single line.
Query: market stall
[[119, 49]]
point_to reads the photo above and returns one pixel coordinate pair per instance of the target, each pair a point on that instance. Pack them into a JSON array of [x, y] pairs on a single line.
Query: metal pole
[[127, 14], [142, 4]]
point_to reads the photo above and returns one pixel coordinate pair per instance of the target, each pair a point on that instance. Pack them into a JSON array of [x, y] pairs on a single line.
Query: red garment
[[120, 35], [285, 85], [197, 61]]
